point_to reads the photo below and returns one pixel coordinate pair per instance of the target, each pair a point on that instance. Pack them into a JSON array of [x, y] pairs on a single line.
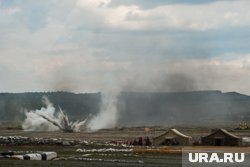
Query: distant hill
[[185, 107], [138, 107], [74, 104]]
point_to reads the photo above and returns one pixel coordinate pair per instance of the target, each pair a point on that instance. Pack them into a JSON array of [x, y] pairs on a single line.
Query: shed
[[172, 137], [221, 137]]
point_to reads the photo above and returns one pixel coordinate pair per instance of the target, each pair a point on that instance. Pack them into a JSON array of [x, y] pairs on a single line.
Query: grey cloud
[[156, 3], [96, 56]]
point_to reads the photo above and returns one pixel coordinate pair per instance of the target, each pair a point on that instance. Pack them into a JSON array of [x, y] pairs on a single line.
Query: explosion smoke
[[108, 115], [49, 120]]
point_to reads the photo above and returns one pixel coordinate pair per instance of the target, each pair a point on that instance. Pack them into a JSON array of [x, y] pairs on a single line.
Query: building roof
[[224, 131], [175, 131]]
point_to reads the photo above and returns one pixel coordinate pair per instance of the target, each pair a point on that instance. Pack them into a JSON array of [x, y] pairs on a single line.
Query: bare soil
[[69, 157]]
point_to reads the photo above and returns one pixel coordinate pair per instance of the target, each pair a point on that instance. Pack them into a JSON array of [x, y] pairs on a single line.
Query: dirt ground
[[128, 133], [68, 156]]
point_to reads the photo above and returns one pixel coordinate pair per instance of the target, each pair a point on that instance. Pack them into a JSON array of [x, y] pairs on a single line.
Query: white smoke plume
[[48, 119], [107, 118]]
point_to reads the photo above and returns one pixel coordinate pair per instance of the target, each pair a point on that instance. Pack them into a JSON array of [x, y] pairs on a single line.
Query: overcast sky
[[127, 45]]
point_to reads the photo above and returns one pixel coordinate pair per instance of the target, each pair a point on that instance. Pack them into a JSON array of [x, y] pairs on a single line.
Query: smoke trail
[[107, 118], [34, 122], [47, 119]]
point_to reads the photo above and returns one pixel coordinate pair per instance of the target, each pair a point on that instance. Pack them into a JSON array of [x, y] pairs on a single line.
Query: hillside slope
[[137, 107]]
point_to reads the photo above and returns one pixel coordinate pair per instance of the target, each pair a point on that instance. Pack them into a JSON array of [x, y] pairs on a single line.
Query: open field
[[69, 157], [99, 151], [125, 133]]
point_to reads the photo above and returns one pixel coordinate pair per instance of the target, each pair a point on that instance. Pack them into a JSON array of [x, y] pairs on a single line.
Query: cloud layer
[[95, 45]]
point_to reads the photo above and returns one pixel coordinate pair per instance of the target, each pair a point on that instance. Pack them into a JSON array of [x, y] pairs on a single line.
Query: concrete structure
[[221, 137], [172, 137]]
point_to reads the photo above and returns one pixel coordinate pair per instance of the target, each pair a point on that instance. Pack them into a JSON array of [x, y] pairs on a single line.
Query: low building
[[245, 141], [172, 137], [221, 137]]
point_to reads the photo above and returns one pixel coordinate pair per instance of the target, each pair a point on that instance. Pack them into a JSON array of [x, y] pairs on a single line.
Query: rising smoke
[[171, 76], [49, 119], [108, 115]]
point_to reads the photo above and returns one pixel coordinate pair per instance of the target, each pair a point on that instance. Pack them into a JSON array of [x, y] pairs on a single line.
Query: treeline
[[11, 104], [137, 108], [195, 107]]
